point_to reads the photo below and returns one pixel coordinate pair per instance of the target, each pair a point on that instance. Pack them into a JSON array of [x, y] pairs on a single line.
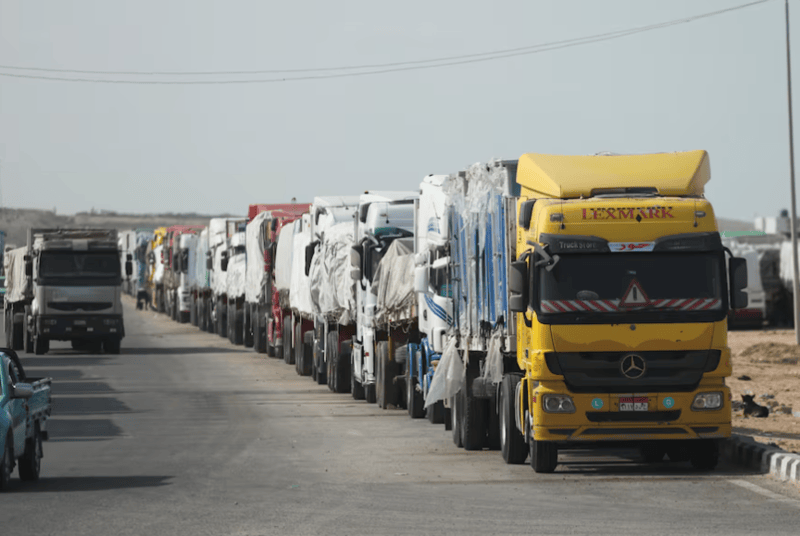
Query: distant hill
[[15, 222]]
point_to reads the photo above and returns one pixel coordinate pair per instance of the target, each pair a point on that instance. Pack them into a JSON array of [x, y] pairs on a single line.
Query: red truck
[[263, 316]]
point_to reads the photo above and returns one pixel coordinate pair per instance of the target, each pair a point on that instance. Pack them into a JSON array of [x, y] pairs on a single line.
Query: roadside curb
[[744, 450]]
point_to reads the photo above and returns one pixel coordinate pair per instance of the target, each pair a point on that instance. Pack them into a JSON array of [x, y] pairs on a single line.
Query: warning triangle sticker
[[634, 296]]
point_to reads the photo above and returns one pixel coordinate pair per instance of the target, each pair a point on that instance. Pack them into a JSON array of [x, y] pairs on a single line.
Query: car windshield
[[79, 265], [632, 284]]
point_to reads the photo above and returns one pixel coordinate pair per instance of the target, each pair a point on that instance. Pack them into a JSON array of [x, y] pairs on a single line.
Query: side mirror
[[223, 261], [22, 390], [518, 287], [310, 255], [355, 274], [421, 279], [356, 252], [737, 269], [128, 267], [525, 213], [185, 261]]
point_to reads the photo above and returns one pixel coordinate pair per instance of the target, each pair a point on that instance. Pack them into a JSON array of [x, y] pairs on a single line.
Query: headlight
[[707, 401], [558, 404]]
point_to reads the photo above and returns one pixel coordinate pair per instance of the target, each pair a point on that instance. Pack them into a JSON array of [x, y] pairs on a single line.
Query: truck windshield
[[94, 265], [633, 287]]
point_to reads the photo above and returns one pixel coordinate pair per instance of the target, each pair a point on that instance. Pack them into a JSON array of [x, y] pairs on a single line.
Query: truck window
[[633, 287], [71, 264]]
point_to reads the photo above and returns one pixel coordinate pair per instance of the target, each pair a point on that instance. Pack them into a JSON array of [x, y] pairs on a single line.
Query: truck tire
[[7, 463], [544, 456], [27, 333], [185, 316], [7, 329], [193, 310], [304, 365], [356, 389], [343, 374], [288, 350], [18, 333], [704, 456], [385, 391], [435, 413], [332, 360], [237, 325], [415, 403], [40, 345], [31, 462], [512, 442], [319, 362], [492, 424], [112, 345], [473, 421], [653, 451], [201, 316], [455, 419], [247, 326]]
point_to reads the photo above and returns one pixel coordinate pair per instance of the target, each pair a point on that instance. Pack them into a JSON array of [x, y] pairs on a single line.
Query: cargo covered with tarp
[[332, 287]]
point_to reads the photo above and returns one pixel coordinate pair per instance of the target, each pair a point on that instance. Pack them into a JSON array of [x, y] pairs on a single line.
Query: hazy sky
[[717, 83]]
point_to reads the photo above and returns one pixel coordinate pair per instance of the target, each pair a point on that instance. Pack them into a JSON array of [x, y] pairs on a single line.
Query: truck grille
[[80, 306], [601, 372]]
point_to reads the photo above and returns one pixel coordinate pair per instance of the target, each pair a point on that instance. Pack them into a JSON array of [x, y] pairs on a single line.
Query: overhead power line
[[356, 70]]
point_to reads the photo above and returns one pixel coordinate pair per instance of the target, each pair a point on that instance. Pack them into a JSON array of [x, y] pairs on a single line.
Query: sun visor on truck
[[560, 244]]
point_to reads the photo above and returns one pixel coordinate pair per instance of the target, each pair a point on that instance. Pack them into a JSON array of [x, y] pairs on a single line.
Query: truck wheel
[[31, 462], [40, 345], [112, 345], [332, 357], [435, 413], [305, 367], [343, 374], [447, 415], [193, 311], [18, 334], [288, 351], [473, 421], [455, 419], [544, 456], [385, 390], [415, 404], [298, 348], [7, 463], [512, 442], [369, 393], [185, 316], [28, 334], [201, 316], [260, 332], [319, 362], [237, 325], [492, 424], [247, 326], [356, 389], [705, 455], [652, 452]]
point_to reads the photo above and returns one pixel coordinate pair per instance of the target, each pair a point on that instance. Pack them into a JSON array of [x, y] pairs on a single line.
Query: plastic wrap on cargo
[[787, 269], [254, 242], [217, 231], [493, 371], [393, 284], [200, 267], [449, 377], [471, 202], [235, 279], [283, 258], [300, 288], [16, 280], [332, 288], [158, 276]]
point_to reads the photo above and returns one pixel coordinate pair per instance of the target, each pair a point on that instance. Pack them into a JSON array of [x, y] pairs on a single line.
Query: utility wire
[[373, 68]]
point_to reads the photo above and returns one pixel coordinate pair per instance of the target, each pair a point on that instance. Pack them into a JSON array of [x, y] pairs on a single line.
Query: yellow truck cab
[[621, 285]]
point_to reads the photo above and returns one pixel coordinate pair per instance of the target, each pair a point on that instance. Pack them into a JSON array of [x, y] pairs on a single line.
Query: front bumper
[[597, 418], [65, 328]]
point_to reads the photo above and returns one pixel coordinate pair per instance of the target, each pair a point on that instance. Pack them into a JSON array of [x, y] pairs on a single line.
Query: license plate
[[633, 403]]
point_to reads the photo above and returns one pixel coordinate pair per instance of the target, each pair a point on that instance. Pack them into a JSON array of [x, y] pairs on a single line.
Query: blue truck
[[24, 409]]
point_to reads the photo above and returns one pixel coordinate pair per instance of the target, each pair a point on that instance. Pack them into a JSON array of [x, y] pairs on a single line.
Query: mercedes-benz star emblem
[[632, 366]]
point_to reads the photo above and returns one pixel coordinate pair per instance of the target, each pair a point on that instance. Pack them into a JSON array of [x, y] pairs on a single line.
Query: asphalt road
[[185, 434]]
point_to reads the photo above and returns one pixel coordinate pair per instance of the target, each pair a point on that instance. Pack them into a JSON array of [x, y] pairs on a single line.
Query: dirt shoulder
[[766, 364]]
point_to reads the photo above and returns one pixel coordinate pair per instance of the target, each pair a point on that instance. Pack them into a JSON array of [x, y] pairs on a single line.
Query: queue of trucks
[[530, 305]]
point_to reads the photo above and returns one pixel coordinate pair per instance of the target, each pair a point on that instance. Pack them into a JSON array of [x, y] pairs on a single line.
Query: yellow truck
[[621, 287]]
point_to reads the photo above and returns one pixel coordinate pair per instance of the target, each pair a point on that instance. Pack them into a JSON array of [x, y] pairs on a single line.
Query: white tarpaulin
[[16, 280], [300, 288], [200, 277], [449, 377], [332, 288], [158, 276], [254, 240], [393, 284], [787, 268], [283, 258], [236, 275]]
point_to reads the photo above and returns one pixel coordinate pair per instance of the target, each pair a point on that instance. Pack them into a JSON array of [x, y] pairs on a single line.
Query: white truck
[[220, 232], [199, 289], [65, 285], [386, 312], [321, 294], [235, 287]]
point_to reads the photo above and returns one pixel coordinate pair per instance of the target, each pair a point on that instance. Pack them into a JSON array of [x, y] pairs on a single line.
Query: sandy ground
[[769, 358]]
